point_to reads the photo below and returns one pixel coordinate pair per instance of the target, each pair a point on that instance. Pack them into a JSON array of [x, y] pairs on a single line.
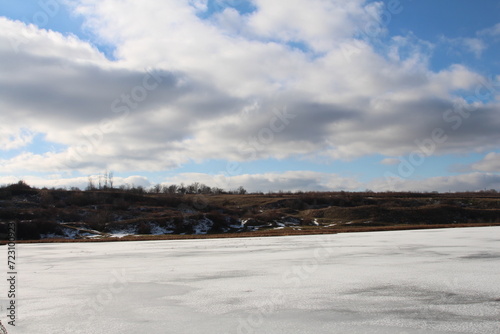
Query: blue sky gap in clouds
[[206, 9], [311, 95]]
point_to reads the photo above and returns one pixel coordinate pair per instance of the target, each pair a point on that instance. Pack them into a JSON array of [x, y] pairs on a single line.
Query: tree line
[[105, 182]]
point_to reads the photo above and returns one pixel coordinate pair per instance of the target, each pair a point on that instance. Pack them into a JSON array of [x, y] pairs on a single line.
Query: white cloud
[[476, 46], [82, 182], [492, 31], [490, 163], [455, 183], [390, 161], [286, 181], [200, 5], [14, 138], [319, 24], [221, 86]]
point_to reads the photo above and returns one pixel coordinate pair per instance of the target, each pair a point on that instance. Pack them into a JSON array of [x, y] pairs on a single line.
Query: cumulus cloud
[[319, 24], [490, 163], [231, 87]]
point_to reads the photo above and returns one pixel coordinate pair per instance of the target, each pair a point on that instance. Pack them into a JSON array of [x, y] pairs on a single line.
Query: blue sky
[[363, 81]]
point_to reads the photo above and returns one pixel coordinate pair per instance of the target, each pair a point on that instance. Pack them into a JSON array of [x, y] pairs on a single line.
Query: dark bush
[[144, 228], [31, 230], [21, 188], [5, 193], [221, 222]]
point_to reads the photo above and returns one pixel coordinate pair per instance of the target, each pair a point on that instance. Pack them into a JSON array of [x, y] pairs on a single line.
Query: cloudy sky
[[270, 95]]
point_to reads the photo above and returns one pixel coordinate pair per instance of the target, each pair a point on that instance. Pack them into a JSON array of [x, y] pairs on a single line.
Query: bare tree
[[241, 190], [90, 184], [157, 188], [217, 190], [172, 189], [106, 179], [204, 189], [110, 179], [191, 189], [181, 189]]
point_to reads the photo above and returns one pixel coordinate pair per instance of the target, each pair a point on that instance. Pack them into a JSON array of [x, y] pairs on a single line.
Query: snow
[[426, 281], [160, 230], [120, 233], [72, 233], [236, 226], [202, 226]]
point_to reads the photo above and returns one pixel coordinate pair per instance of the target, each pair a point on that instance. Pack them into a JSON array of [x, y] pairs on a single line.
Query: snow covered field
[[432, 281]]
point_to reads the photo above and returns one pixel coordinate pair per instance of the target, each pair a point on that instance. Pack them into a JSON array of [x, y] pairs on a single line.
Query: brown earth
[[44, 215]]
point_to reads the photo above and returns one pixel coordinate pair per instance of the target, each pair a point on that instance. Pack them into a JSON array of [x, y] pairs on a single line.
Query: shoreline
[[256, 234]]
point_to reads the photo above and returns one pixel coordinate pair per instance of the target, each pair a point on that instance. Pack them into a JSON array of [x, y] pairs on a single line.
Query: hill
[[132, 214]]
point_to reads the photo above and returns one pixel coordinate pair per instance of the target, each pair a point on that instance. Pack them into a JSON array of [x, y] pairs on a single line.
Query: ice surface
[[432, 281]]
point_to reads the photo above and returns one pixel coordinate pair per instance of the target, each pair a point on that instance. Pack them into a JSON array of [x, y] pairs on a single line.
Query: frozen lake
[[432, 281]]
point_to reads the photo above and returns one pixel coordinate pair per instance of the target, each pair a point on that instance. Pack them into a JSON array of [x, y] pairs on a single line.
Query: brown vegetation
[[179, 212]]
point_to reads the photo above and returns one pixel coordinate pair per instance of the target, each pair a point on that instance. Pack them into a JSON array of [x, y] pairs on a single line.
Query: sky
[[395, 95]]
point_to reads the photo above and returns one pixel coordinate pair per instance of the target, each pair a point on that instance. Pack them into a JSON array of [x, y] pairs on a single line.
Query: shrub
[[31, 230], [21, 188], [46, 198], [144, 228], [221, 222]]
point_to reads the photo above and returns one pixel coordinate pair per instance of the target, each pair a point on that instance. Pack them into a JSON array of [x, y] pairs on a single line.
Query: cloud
[[184, 89], [59, 181], [390, 161], [12, 139], [319, 24], [455, 183], [490, 163], [286, 181], [200, 5], [476, 46], [492, 31]]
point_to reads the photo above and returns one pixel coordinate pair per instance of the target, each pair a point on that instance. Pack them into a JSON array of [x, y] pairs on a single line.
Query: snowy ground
[[433, 281]]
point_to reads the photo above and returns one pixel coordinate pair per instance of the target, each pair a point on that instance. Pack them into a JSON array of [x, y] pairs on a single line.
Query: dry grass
[[264, 233], [41, 212]]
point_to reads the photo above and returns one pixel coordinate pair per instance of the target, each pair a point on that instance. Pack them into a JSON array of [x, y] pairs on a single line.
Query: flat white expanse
[[432, 281]]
